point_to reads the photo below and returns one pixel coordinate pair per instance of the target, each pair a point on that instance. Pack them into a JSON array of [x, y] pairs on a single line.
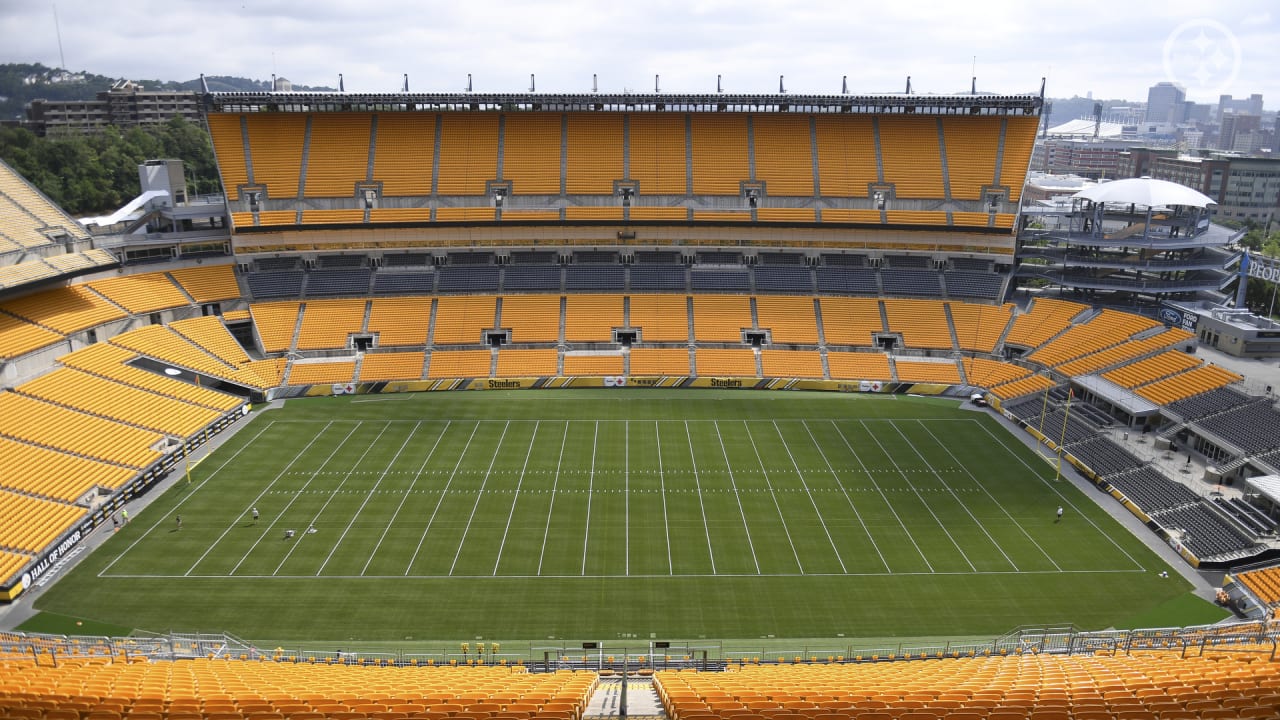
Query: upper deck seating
[[338, 155], [593, 153], [275, 149]]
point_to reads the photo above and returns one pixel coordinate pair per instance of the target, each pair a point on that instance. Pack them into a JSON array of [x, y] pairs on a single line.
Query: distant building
[[1248, 106], [1244, 188], [1165, 103], [1236, 125], [1094, 159], [126, 104], [1042, 187]]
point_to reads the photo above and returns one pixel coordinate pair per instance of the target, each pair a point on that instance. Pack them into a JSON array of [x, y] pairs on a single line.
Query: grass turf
[[619, 514]]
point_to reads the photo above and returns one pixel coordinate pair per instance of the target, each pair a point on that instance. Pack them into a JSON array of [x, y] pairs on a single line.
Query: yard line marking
[[737, 497], [185, 498], [503, 578], [519, 482], [1063, 499], [993, 499], [876, 485], [417, 426], [444, 492], [772, 495], [312, 477], [555, 484], [462, 541], [422, 468], [807, 491], [697, 483], [662, 485], [332, 495], [831, 469], [626, 495], [889, 457], [938, 476], [591, 479]]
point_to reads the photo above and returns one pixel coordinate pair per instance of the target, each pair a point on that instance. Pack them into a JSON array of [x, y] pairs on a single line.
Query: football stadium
[[526, 405]]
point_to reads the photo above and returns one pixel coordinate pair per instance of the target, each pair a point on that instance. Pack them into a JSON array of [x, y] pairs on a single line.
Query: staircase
[[641, 699]]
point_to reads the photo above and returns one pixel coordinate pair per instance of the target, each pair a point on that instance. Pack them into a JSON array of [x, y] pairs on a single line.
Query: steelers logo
[[1203, 56]]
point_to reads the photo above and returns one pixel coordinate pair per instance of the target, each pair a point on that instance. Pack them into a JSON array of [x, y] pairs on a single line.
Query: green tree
[[89, 175]]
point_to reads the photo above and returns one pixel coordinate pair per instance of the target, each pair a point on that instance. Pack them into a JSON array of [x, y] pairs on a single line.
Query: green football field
[[610, 514]]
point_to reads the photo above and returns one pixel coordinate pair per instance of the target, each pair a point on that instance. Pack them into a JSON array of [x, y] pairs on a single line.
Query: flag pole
[[1062, 441]]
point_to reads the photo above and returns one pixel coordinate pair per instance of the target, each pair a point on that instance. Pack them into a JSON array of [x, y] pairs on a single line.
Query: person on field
[[255, 513], [178, 519], [1059, 517]]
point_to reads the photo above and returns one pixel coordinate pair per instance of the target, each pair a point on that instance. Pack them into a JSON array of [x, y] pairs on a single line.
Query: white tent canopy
[[1146, 192]]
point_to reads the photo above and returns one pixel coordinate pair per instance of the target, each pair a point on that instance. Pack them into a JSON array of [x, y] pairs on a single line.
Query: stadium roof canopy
[[241, 102], [1083, 128], [1266, 485], [1146, 192]]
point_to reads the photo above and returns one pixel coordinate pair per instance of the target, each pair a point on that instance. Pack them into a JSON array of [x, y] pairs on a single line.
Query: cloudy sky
[[1112, 49]]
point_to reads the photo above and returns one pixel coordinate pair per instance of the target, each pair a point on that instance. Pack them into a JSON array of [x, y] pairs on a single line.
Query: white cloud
[[1111, 49]]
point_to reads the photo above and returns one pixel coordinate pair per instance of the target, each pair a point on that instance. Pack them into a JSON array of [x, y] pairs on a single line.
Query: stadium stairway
[[642, 699]]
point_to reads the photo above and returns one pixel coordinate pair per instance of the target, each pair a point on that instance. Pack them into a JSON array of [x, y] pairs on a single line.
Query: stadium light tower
[[468, 82], [719, 88]]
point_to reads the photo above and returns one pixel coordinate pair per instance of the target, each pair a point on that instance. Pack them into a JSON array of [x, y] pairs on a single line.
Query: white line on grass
[[280, 514], [369, 495], [997, 503], [1062, 498], [626, 494], [519, 483], [845, 491], [555, 484], [965, 507], [737, 497], [772, 495], [880, 490], [484, 481], [807, 491], [444, 492], [431, 453], [504, 578], [702, 505], [462, 541], [332, 494], [188, 496], [662, 485], [591, 480], [889, 457]]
